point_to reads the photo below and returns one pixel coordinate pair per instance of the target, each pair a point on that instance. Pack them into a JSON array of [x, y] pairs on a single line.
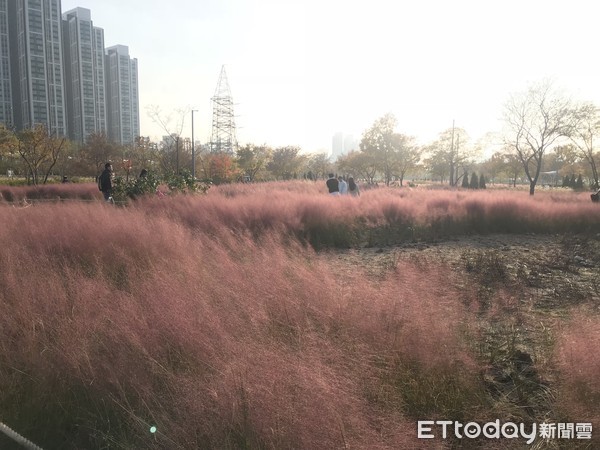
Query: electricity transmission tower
[[223, 138]]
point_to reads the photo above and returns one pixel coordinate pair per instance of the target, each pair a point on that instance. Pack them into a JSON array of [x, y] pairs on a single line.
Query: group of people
[[339, 186]]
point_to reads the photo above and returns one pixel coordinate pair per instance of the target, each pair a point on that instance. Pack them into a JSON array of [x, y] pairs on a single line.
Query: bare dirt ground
[[557, 271]]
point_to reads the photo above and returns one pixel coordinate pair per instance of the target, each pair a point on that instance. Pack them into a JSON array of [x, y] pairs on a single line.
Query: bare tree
[[535, 120], [144, 154], [584, 130], [173, 131], [98, 150]]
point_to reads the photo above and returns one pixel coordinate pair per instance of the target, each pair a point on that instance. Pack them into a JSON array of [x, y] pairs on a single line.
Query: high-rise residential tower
[[37, 64], [342, 144], [55, 71], [122, 95], [84, 74], [6, 111]]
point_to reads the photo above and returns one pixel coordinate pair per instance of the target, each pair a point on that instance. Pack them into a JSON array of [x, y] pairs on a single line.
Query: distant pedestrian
[[343, 185], [105, 182], [353, 188], [333, 185]]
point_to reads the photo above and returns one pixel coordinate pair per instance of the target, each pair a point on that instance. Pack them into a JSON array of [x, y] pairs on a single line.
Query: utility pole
[[177, 151], [452, 157], [193, 149]]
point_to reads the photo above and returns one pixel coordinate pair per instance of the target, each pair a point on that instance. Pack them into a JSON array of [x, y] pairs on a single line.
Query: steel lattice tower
[[223, 138]]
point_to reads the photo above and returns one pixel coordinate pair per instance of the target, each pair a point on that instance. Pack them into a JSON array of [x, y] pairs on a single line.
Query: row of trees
[[37, 155], [544, 132]]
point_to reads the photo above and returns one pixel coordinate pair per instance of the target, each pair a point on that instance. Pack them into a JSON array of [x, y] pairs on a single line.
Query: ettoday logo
[[429, 429]]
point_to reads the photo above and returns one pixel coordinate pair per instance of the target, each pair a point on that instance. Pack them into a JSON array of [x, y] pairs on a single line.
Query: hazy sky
[[302, 70]]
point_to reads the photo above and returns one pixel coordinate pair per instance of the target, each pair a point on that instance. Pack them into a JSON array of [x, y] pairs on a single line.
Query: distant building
[[342, 144], [122, 95], [85, 77], [36, 62], [170, 140], [55, 71], [6, 108]]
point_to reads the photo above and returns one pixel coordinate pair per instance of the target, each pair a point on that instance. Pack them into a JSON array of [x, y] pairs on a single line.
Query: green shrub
[[148, 184]]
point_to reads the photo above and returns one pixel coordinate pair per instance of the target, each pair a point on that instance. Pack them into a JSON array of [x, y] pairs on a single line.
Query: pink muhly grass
[[411, 324], [116, 305], [66, 191], [578, 361], [337, 221], [267, 188], [120, 316], [206, 317], [303, 215]]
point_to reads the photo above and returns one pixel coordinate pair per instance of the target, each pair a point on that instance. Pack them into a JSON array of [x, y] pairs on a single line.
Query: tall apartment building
[[342, 144], [6, 112], [55, 71], [122, 95], [36, 56], [84, 75]]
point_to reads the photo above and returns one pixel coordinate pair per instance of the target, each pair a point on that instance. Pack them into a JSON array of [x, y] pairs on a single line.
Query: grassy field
[[252, 317]]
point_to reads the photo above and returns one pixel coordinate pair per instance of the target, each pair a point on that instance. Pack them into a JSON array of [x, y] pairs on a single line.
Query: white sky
[[302, 70]]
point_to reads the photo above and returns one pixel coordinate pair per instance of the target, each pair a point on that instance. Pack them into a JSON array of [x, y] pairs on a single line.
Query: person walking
[[343, 185], [353, 188], [105, 182], [333, 185]]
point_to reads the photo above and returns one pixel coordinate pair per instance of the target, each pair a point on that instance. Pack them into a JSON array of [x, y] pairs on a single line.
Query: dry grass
[[578, 363]]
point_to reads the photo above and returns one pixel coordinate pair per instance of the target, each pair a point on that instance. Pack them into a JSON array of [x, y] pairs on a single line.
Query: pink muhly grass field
[[327, 221], [211, 318], [579, 363], [118, 316], [66, 191]]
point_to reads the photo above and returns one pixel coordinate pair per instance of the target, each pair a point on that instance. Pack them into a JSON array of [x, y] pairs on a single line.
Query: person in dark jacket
[[106, 182], [333, 185]]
